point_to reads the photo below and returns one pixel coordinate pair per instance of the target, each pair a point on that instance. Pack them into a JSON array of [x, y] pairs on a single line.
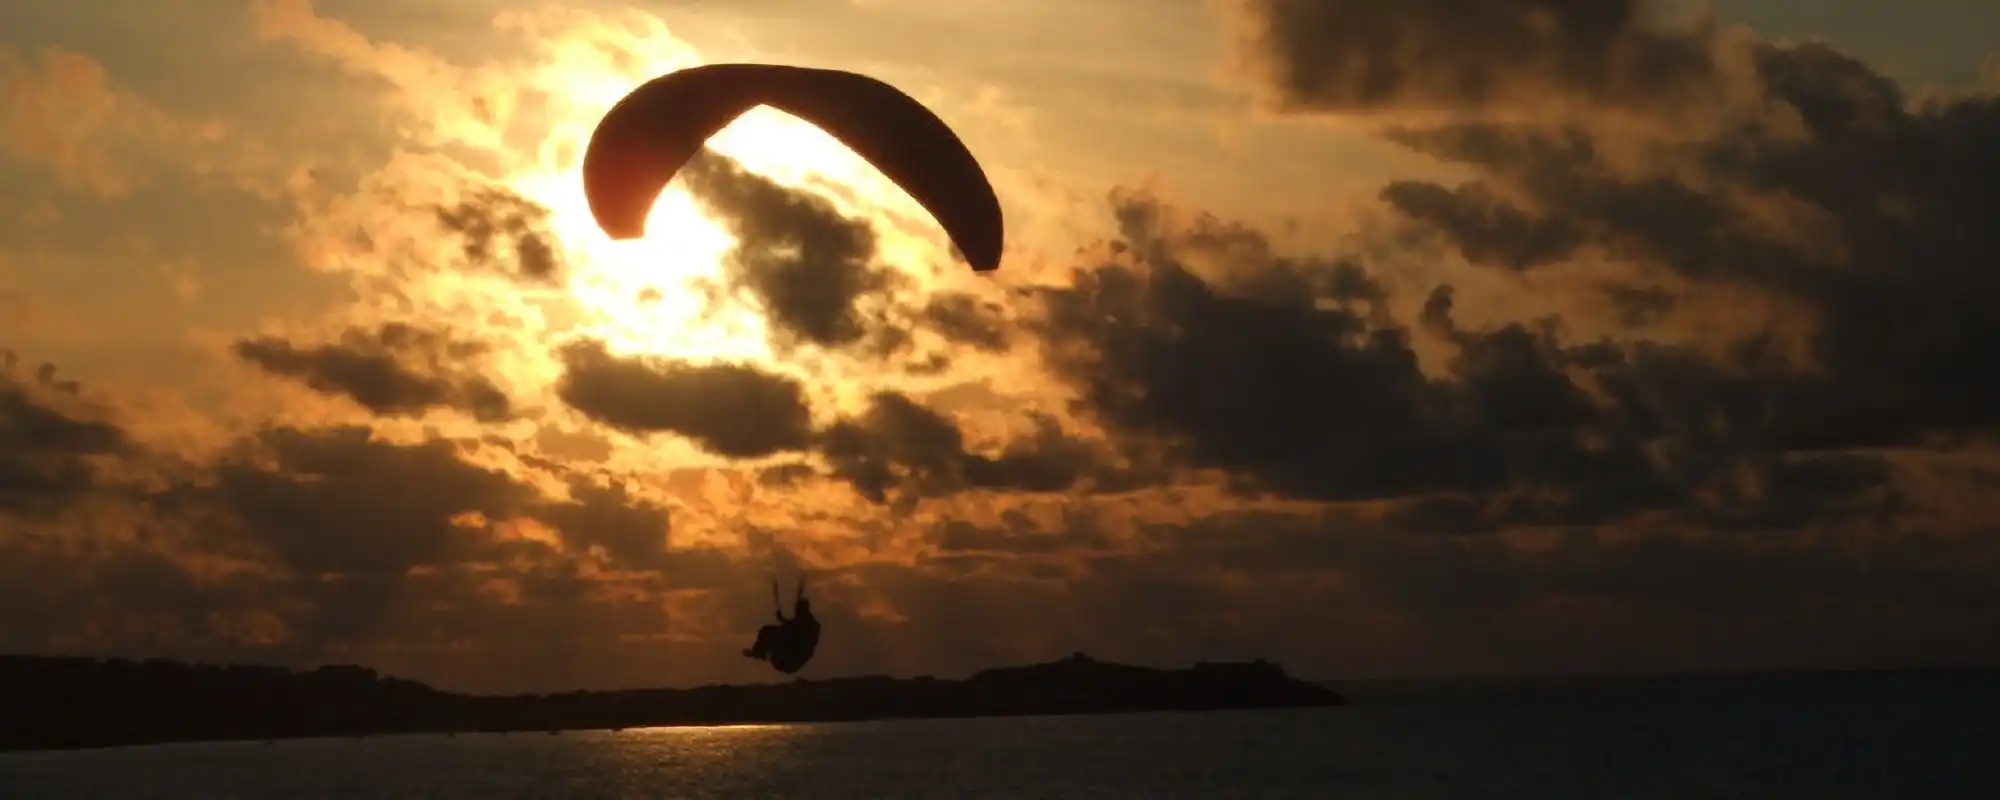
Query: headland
[[62, 703]]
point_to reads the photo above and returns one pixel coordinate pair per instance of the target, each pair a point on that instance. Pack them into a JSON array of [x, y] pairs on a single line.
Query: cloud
[[422, 215], [1711, 399], [970, 320], [821, 279], [900, 446], [491, 219], [1434, 55], [733, 410], [312, 545], [63, 111], [1020, 534], [339, 501], [1588, 601], [392, 370], [1295, 380], [50, 439], [1889, 262], [424, 86], [896, 446], [28, 314], [632, 530], [1485, 228], [805, 262]]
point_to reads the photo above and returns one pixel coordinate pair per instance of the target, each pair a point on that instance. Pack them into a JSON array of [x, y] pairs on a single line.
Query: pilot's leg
[[762, 648]]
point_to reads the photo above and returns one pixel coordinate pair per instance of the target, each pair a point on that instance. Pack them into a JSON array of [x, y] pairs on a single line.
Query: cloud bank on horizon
[[1684, 364]]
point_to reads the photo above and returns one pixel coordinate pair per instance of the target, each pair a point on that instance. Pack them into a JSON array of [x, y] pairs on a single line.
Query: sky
[[1381, 338]]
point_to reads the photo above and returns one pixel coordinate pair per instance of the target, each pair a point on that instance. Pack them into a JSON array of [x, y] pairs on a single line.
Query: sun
[[648, 296]]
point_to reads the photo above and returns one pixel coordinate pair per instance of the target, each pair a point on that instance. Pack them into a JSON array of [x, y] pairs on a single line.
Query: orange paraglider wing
[[650, 134]]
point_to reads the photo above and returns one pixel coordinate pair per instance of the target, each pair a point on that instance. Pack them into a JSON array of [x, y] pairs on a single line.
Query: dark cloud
[[1892, 262], [503, 232], [382, 559], [819, 277], [1361, 55], [66, 596], [344, 502], [1889, 264], [308, 546], [531, 625], [340, 501], [1021, 535], [1587, 601], [1483, 227], [897, 448], [785, 475], [966, 319], [732, 410], [632, 531], [1640, 306], [1230, 585], [901, 450], [393, 370], [808, 265], [1319, 393], [1709, 503], [380, 542], [1309, 399], [1329, 595], [49, 437]]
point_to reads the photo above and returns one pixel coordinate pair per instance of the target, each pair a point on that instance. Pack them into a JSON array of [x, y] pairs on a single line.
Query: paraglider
[[653, 131], [789, 644]]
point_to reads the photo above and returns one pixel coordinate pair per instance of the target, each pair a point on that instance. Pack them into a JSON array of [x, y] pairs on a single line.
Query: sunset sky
[[1376, 337]]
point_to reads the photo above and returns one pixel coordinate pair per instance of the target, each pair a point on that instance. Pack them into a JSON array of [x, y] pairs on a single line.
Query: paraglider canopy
[[650, 134]]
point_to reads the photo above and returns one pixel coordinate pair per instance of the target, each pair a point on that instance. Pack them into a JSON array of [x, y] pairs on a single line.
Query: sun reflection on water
[[706, 732]]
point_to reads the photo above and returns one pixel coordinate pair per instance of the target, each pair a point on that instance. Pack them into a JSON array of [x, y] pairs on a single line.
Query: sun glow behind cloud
[[647, 296], [518, 125]]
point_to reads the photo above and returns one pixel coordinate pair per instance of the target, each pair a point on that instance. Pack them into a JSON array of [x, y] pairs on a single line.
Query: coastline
[[77, 703]]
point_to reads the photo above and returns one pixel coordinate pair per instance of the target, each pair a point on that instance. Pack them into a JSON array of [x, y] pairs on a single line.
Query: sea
[[1802, 737]]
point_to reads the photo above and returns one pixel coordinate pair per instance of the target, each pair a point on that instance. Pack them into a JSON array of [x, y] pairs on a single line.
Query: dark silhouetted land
[[1969, 686], [52, 703]]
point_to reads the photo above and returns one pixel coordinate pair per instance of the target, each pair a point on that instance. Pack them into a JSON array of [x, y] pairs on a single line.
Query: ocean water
[[1942, 743]]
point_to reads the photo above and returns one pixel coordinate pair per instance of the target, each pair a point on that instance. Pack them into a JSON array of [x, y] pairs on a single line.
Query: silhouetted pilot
[[789, 644]]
